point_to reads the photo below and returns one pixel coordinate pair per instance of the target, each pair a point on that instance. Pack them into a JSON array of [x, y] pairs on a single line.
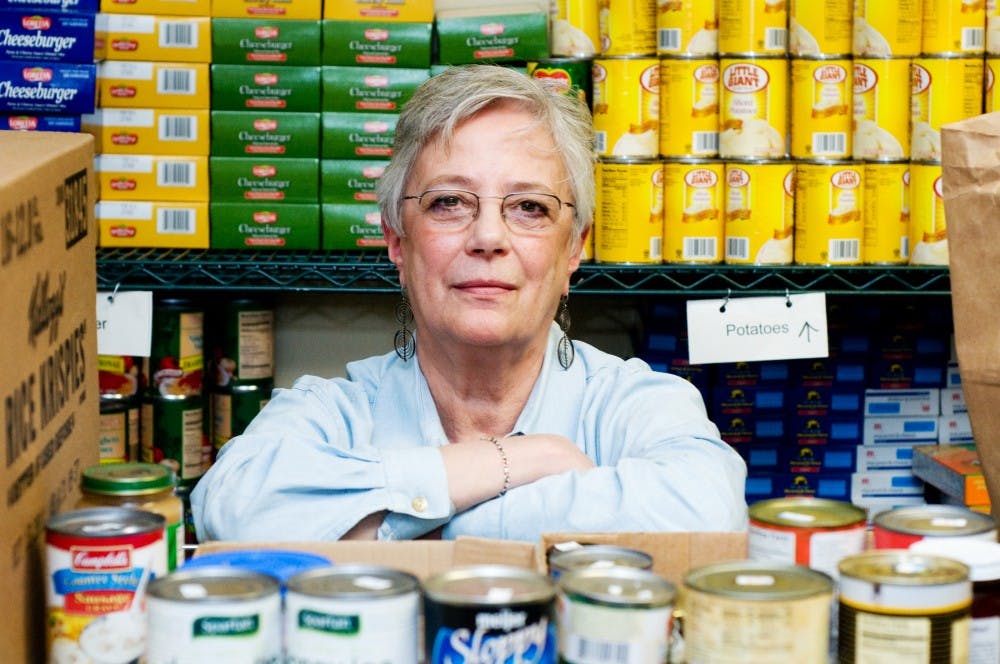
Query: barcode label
[[175, 221], [904, 247], [844, 250], [656, 248], [175, 174], [973, 38], [178, 34], [705, 142], [775, 39], [601, 141], [580, 650], [670, 39], [175, 81], [738, 248], [700, 248], [178, 128], [833, 143]]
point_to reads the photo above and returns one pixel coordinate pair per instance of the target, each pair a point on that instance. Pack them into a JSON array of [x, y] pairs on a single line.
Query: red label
[[100, 559], [265, 124], [265, 32], [264, 170], [265, 78], [265, 217], [37, 74], [22, 122], [124, 45], [36, 23]]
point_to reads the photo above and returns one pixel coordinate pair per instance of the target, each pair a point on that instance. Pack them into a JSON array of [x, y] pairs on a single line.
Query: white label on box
[[884, 457], [123, 163], [132, 71], [902, 402], [954, 429], [142, 25], [125, 117], [953, 401], [916, 429], [125, 210], [124, 323], [757, 328], [900, 482]]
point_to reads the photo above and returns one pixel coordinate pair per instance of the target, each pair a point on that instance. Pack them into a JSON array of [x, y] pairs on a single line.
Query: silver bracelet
[[506, 463]]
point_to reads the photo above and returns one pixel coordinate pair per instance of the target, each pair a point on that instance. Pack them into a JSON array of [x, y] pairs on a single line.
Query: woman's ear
[[576, 250]]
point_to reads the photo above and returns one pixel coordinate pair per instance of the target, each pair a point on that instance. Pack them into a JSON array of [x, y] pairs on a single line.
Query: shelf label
[[747, 329], [124, 323]]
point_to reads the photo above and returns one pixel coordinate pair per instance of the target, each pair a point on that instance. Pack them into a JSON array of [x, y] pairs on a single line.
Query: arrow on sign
[[807, 329]]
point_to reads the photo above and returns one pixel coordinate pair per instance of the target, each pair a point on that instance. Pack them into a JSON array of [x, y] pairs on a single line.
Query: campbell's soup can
[[991, 91], [689, 126], [881, 109], [758, 27], [820, 28], [943, 90], [627, 27], [928, 225], [887, 213], [821, 108], [756, 612], [626, 106], [570, 75], [177, 354], [759, 223], [573, 28], [172, 432], [97, 560], [829, 202], [992, 27], [687, 27], [753, 115], [953, 27], [628, 223], [693, 211], [900, 606], [899, 528], [887, 29]]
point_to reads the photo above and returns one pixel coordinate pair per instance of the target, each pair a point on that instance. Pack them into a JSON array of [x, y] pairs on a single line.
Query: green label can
[[243, 348], [177, 360], [118, 430], [567, 75], [173, 433], [234, 408]]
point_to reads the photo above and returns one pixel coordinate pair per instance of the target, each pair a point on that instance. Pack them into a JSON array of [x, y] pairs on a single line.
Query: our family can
[[953, 27], [829, 202], [887, 213], [887, 29], [627, 27], [753, 27], [573, 28], [626, 106], [597, 556], [881, 109], [759, 224], [628, 224], [243, 350], [687, 27], [173, 433], [928, 223], [689, 126], [820, 28], [753, 111], [821, 108], [900, 527], [693, 211], [943, 90]]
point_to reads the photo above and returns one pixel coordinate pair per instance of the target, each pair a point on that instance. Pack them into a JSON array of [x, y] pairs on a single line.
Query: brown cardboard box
[[48, 374]]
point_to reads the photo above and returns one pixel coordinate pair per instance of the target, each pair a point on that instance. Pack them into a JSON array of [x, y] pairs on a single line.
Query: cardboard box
[[490, 35], [123, 177], [157, 7], [254, 133], [72, 6], [953, 401], [150, 38], [49, 372], [361, 89], [153, 224], [123, 84], [265, 87], [952, 469], [263, 225], [241, 179], [914, 429], [46, 37], [880, 403], [376, 44], [303, 10], [415, 11], [242, 41], [149, 131], [40, 122], [954, 429], [358, 135], [350, 180], [54, 88], [884, 457], [352, 226]]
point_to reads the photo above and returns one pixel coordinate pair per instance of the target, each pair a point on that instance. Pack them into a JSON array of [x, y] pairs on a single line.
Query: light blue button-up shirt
[[326, 453]]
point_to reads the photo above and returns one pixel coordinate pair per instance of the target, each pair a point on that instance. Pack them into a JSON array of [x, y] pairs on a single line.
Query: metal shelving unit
[[353, 272]]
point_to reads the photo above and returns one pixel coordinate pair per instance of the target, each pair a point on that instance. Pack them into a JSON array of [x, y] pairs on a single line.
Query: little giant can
[[816, 29], [626, 106], [942, 91], [928, 223], [887, 29], [687, 27], [821, 108], [881, 114], [628, 224], [953, 27], [753, 27], [829, 201], [753, 112], [759, 221], [689, 125], [627, 27], [693, 209], [574, 30], [887, 213]]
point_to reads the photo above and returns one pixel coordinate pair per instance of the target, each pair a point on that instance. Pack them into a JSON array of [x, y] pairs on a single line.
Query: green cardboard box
[[239, 179], [349, 180], [254, 41], [250, 133], [264, 226], [352, 226], [265, 87], [358, 135], [370, 89], [376, 44], [493, 38]]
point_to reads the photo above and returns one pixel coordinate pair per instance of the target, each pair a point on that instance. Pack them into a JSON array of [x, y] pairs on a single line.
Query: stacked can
[[628, 224], [753, 137], [121, 382]]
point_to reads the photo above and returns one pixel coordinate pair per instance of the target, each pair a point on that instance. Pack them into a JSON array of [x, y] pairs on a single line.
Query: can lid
[[901, 567], [935, 521], [981, 556], [128, 478], [353, 582], [804, 512], [758, 580], [618, 586], [489, 585], [279, 563], [213, 584], [598, 555]]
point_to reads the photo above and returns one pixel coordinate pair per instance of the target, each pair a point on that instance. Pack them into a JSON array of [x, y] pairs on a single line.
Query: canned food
[[173, 433], [473, 612], [829, 200], [690, 126], [753, 27], [992, 27], [887, 213], [573, 29], [881, 114], [943, 90], [119, 377], [177, 357], [626, 107], [628, 227], [991, 91], [903, 526], [753, 116], [234, 409], [118, 431], [619, 614], [694, 204], [97, 561], [822, 109], [570, 76], [928, 225], [279, 563], [627, 27], [759, 224], [687, 27], [820, 28], [352, 613], [899, 606], [244, 351], [598, 556], [887, 29], [210, 614], [756, 612], [953, 27]]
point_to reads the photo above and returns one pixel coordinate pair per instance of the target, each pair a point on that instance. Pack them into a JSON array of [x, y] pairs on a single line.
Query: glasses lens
[[531, 211], [449, 207]]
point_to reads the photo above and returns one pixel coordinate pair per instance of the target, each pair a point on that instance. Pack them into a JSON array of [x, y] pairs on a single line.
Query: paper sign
[[747, 329], [124, 323]]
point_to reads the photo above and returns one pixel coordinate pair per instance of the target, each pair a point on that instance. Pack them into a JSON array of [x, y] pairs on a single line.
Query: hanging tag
[[747, 329], [124, 323]]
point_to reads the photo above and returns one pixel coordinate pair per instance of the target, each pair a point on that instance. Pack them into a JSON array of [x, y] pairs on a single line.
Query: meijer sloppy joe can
[[829, 201], [595, 556], [687, 27], [753, 112], [628, 225], [887, 29], [693, 210], [901, 527], [820, 28], [626, 106], [757, 27], [821, 109], [887, 213], [689, 127], [953, 27], [881, 111], [759, 223]]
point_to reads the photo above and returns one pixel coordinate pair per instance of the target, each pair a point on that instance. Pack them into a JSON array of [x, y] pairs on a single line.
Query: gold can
[[928, 227], [991, 92], [820, 28], [753, 115], [627, 107], [992, 27], [887, 29], [942, 90], [690, 126], [758, 27], [573, 29], [693, 206], [627, 27], [829, 201], [881, 111], [628, 227], [953, 27], [759, 224], [687, 27], [887, 213], [821, 108]]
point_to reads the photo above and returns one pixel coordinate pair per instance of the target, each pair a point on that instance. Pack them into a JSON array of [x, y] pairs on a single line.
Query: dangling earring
[[565, 351], [405, 343]]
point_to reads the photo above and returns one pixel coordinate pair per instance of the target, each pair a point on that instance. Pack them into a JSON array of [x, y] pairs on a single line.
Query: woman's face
[[486, 285]]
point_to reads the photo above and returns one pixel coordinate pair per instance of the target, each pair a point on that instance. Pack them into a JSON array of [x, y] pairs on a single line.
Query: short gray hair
[[459, 93]]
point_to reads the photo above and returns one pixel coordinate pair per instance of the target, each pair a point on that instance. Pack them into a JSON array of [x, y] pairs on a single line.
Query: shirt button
[[419, 504]]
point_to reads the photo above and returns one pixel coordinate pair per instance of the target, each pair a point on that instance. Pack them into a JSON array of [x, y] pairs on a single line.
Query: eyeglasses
[[454, 209]]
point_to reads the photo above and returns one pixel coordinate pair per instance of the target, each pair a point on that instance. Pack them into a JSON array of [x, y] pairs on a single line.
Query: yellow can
[[627, 27], [820, 28], [992, 27], [991, 92], [626, 107], [821, 108], [693, 207], [881, 111], [758, 27], [759, 223], [942, 90], [829, 201], [573, 28], [690, 126], [954, 27], [628, 224], [753, 116], [885, 29], [928, 227], [687, 27], [887, 213]]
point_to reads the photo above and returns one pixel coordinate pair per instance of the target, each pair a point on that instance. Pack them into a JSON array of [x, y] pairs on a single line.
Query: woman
[[487, 419]]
